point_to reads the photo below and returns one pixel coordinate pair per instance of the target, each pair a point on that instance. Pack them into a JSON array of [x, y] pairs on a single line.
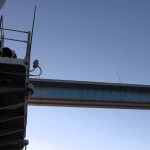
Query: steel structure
[[89, 94], [14, 92]]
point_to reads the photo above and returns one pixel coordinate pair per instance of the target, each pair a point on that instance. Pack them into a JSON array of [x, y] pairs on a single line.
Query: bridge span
[[49, 92]]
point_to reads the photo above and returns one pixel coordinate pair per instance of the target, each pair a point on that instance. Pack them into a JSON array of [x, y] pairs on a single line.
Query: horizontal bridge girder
[[89, 94]]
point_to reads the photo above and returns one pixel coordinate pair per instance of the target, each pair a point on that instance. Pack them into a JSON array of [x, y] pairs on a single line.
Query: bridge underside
[[89, 94]]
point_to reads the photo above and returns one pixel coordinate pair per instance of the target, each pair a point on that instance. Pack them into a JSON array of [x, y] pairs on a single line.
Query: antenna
[[35, 63], [33, 25], [119, 77], [2, 2], [29, 43]]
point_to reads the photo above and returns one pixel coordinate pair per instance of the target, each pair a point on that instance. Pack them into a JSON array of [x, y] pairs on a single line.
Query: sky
[[86, 40]]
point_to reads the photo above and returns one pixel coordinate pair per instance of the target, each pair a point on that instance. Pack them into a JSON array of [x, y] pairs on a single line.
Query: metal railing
[[27, 41]]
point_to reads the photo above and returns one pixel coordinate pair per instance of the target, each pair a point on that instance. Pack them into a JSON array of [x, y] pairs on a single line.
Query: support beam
[[89, 94]]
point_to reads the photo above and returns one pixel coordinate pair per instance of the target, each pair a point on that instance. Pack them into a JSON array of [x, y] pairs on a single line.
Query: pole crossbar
[[15, 30], [16, 40]]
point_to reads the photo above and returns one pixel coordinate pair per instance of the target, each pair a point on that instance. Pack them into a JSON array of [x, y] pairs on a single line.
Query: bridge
[[50, 92]]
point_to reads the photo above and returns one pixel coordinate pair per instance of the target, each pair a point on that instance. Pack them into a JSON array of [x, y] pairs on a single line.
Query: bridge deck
[[89, 94]]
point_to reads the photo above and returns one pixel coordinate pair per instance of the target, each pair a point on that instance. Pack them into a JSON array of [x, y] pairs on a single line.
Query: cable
[[40, 70], [35, 65], [32, 70], [21, 74]]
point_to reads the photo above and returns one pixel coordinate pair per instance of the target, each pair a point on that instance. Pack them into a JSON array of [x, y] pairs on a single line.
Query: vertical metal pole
[[2, 32], [28, 53], [29, 44], [33, 24]]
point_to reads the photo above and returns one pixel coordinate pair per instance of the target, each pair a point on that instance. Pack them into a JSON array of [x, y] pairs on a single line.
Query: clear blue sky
[[87, 40]]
